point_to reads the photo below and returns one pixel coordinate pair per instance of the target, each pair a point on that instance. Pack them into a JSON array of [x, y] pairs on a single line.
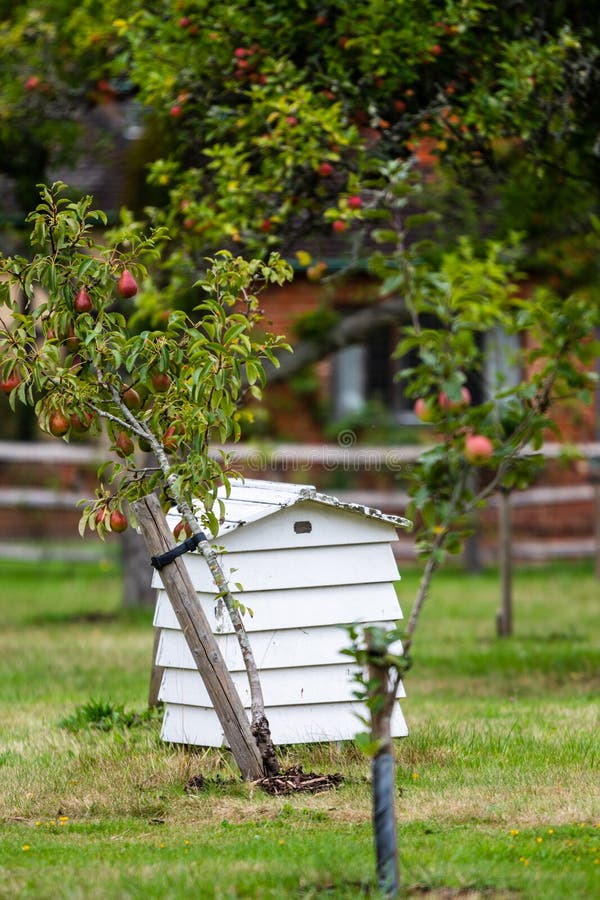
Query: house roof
[[252, 499]]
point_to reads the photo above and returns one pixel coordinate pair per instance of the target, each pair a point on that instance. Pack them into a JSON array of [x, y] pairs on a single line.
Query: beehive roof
[[252, 499]]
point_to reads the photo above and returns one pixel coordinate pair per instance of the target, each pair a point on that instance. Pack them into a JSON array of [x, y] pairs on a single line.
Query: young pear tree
[[73, 357]]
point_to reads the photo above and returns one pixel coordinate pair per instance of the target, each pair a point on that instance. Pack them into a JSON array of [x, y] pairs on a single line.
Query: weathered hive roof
[[253, 499]]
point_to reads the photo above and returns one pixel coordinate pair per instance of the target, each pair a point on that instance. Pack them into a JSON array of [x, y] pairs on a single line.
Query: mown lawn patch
[[497, 783]]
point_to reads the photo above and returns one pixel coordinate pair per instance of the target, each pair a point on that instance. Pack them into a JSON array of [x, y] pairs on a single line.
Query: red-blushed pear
[[118, 521], [123, 444], [58, 424], [182, 531], [79, 425], [446, 403], [9, 383], [161, 382], [424, 410], [127, 285], [478, 449], [82, 302], [131, 398], [100, 517], [72, 341]]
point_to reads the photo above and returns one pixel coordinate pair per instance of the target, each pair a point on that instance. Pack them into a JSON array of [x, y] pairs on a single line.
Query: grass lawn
[[498, 783]]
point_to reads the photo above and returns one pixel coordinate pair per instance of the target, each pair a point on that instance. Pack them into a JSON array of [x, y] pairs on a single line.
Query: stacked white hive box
[[307, 564]]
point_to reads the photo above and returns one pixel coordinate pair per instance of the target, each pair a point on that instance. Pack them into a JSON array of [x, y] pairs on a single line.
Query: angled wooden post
[[200, 639]]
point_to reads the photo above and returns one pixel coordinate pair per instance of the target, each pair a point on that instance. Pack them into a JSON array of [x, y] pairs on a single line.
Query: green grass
[[497, 784]]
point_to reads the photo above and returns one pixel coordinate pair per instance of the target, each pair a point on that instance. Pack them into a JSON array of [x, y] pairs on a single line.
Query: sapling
[[170, 391]]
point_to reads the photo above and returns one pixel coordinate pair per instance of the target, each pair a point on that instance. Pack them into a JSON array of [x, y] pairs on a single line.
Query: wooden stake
[[505, 615], [200, 639], [156, 673]]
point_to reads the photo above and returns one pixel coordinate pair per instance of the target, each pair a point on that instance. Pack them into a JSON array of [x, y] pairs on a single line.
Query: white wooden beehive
[[307, 564]]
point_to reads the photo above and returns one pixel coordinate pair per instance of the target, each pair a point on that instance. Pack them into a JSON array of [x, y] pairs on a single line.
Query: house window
[[363, 373]]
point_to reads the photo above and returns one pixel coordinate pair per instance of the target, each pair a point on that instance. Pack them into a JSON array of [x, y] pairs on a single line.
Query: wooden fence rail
[[296, 461]]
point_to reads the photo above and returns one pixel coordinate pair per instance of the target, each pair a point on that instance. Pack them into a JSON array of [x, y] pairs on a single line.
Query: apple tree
[[67, 351]]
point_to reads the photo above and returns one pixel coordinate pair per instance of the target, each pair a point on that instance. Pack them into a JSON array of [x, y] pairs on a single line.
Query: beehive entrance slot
[[303, 527]]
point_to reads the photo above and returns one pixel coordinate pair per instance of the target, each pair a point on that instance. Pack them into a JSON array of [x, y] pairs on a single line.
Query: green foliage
[[488, 425], [246, 102], [170, 390], [103, 715]]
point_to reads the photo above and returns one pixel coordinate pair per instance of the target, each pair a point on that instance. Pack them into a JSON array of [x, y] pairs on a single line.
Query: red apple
[[118, 522], [424, 410], [32, 83], [447, 403], [266, 226], [291, 120], [127, 286], [83, 303], [399, 106], [436, 49], [9, 383], [339, 226], [325, 169], [354, 202], [240, 52], [185, 22], [478, 449], [176, 111], [58, 424], [316, 272]]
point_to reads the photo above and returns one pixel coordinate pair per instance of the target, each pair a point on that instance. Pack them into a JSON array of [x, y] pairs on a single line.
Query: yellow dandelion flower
[[281, 843], [120, 23], [52, 822], [186, 842], [539, 840], [63, 818], [37, 823], [514, 832], [551, 831], [414, 776], [26, 847]]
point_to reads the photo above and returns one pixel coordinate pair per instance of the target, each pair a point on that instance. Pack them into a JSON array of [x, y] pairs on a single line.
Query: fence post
[[504, 617]]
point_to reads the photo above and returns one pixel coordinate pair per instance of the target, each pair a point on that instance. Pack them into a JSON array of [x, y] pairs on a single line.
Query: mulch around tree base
[[288, 782], [295, 779]]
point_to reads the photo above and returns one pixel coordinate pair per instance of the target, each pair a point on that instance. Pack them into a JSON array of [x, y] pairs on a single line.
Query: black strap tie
[[159, 562]]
